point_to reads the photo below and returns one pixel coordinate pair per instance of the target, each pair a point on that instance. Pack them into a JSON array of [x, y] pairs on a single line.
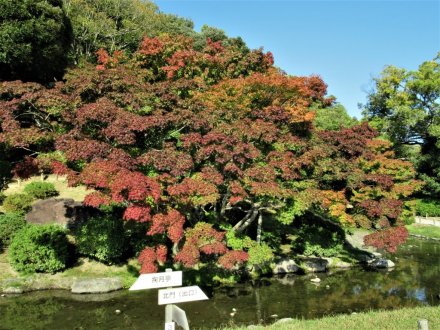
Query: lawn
[[424, 230], [84, 268], [401, 319]]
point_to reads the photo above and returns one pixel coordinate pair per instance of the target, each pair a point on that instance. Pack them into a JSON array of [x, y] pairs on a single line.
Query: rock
[[63, 211], [381, 263], [252, 327], [283, 320], [13, 290], [315, 265], [97, 285], [274, 316], [315, 280], [285, 266], [118, 311]]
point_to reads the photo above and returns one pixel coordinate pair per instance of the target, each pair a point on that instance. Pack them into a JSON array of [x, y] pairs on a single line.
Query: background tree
[[333, 118], [405, 107], [34, 39]]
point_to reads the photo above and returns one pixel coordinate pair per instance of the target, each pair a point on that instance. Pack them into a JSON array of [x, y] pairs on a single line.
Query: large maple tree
[[196, 143]]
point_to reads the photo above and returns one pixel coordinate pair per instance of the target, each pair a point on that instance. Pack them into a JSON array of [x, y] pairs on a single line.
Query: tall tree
[[405, 107], [34, 40]]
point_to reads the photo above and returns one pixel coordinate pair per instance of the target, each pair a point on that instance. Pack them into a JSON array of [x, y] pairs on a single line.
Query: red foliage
[[96, 199], [388, 239], [151, 257], [193, 191], [201, 239], [106, 61], [232, 258], [135, 187], [169, 160], [171, 222], [26, 168], [137, 213], [350, 141]]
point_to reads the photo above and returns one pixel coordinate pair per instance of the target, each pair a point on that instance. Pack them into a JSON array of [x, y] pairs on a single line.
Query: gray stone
[[285, 266], [315, 265], [382, 263], [97, 285], [315, 280], [283, 320], [63, 211]]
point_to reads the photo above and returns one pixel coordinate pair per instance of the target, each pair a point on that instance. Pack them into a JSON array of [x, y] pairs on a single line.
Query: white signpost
[[178, 295], [157, 280], [170, 295]]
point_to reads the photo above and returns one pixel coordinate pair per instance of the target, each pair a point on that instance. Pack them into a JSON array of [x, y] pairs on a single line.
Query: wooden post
[[422, 324]]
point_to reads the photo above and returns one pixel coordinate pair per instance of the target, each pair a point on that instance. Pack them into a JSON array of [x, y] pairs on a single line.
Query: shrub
[[10, 224], [17, 203], [260, 254], [40, 190], [319, 241], [42, 248], [101, 238], [429, 207]]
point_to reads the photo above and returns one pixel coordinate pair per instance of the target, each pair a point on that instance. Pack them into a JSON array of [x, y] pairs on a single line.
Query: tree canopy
[[405, 107], [204, 146], [34, 39]]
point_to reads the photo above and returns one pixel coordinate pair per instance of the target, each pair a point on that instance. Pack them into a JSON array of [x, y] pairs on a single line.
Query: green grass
[[401, 319], [424, 230], [84, 268]]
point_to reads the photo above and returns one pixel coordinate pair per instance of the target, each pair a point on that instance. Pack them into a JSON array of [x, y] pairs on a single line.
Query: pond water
[[415, 281]]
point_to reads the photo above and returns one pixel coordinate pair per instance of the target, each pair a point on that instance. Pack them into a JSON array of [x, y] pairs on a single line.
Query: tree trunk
[[259, 227]]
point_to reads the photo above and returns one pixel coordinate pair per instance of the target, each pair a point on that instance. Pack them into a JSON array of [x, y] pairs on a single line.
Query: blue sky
[[346, 42]]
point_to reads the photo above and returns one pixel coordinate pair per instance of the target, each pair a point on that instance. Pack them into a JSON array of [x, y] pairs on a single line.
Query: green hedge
[[102, 238], [40, 190], [429, 207], [10, 224], [39, 248], [17, 203]]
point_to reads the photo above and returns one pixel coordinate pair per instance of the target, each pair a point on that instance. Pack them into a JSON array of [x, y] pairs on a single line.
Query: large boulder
[[381, 263], [63, 211], [285, 266], [96, 285], [315, 265]]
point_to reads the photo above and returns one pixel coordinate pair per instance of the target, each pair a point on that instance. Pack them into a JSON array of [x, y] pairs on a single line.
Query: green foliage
[[17, 203], [428, 207], [405, 108], [34, 38], [40, 190], [42, 248], [118, 25], [101, 238], [333, 118], [238, 241], [10, 224], [319, 240], [260, 254]]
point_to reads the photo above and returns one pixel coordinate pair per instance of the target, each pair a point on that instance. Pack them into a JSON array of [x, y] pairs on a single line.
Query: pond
[[415, 281]]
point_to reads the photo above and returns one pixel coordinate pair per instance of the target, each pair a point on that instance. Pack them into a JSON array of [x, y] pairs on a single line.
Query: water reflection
[[415, 281]]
